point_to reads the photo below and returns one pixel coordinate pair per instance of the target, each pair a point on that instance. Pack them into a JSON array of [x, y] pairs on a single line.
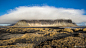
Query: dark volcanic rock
[[82, 35], [9, 36], [56, 37]]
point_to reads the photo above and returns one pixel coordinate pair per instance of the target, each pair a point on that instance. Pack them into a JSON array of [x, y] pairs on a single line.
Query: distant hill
[[11, 24], [81, 24], [58, 22], [5, 24]]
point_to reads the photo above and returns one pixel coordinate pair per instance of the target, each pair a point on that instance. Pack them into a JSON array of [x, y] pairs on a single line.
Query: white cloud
[[43, 12]]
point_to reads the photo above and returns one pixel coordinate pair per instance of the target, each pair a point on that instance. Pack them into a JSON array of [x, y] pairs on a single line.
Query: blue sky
[[12, 11], [6, 5]]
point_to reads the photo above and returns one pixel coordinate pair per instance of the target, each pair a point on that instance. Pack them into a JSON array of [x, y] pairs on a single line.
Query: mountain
[[5, 24], [11, 24], [81, 24], [58, 22]]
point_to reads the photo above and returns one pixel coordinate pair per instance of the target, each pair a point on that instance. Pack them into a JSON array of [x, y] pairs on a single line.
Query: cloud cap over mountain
[[42, 12]]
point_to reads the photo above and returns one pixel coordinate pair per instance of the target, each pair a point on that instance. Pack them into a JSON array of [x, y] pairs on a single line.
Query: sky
[[13, 10]]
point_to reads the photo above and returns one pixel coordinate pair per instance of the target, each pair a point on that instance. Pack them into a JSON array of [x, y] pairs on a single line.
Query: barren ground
[[14, 37]]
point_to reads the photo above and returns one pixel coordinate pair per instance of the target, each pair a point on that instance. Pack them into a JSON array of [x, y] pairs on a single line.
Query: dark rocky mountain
[[58, 22], [12, 24], [81, 24]]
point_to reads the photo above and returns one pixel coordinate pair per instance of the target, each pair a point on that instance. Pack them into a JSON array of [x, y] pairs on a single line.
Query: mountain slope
[[58, 22]]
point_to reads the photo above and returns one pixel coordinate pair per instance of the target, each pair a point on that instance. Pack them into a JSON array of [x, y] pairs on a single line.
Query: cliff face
[[59, 22]]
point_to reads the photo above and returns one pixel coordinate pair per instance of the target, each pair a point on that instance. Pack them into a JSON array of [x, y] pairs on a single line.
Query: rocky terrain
[[58, 22], [14, 37]]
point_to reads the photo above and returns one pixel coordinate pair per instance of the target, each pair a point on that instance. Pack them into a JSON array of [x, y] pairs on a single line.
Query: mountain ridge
[[57, 22]]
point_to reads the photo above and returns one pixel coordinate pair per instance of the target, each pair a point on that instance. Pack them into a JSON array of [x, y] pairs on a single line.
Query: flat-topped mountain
[[58, 22]]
